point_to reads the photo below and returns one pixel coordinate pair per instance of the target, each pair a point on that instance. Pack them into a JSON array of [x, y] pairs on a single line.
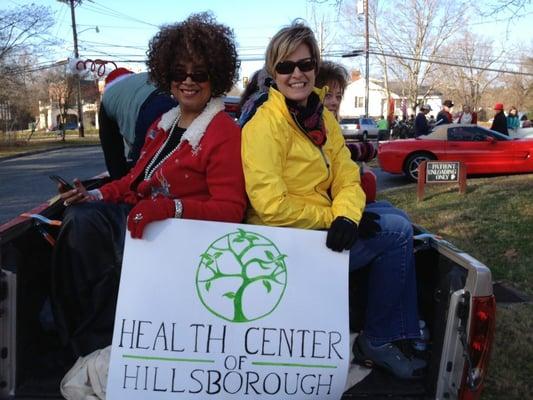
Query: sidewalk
[[23, 148], [32, 152]]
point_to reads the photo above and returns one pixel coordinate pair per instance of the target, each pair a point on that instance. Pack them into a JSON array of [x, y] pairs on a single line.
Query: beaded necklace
[[151, 168]]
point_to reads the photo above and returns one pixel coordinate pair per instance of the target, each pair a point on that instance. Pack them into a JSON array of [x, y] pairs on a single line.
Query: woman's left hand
[[77, 195], [149, 210]]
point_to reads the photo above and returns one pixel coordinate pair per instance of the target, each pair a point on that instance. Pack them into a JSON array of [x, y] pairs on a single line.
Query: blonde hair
[[286, 41]]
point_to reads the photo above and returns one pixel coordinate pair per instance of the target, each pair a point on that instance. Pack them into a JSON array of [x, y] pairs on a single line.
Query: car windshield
[[473, 134], [349, 121]]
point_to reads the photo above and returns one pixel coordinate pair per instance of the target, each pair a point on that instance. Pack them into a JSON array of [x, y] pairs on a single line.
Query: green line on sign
[[193, 360], [292, 365]]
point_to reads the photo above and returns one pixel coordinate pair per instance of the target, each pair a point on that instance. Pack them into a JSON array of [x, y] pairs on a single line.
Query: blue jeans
[[391, 311], [384, 207]]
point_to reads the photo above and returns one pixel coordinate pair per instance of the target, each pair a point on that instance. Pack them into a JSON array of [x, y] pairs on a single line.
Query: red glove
[[144, 189], [147, 211], [130, 197]]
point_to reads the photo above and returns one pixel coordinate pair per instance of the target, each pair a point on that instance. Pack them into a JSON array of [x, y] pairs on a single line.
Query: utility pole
[[81, 129], [367, 66]]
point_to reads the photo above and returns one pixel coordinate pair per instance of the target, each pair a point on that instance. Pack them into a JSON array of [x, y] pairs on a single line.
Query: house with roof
[[50, 109], [353, 102]]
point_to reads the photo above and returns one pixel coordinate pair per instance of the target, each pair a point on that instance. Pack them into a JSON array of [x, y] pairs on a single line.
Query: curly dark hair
[[198, 39]]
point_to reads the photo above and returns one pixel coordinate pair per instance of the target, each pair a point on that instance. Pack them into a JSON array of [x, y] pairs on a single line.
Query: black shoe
[[388, 356]]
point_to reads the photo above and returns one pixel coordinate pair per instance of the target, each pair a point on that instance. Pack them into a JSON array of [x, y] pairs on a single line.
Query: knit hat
[[115, 76], [498, 107]]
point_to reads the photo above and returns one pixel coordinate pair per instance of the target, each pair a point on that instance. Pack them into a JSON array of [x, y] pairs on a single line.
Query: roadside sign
[[438, 171], [430, 172]]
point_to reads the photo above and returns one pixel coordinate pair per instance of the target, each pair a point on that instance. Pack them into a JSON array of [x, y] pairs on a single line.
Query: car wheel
[[365, 136], [412, 163]]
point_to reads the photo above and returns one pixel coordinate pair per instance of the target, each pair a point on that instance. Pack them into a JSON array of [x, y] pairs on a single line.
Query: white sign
[[232, 311], [440, 171]]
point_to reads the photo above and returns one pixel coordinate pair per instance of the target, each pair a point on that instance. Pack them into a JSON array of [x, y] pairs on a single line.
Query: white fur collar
[[196, 130]]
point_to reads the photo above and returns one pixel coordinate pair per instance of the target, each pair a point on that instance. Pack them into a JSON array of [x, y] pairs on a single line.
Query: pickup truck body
[[455, 299]]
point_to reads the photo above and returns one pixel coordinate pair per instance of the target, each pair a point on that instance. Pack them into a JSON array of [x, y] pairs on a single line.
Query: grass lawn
[[15, 143], [494, 223]]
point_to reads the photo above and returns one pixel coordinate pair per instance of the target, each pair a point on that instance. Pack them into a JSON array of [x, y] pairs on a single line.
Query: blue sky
[[126, 26]]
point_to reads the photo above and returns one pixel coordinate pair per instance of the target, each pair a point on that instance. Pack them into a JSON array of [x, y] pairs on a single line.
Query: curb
[[31, 153]]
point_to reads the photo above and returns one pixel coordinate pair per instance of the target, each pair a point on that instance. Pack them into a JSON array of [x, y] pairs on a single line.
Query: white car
[[361, 128]]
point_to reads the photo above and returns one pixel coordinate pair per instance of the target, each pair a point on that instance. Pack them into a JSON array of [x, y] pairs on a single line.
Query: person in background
[[298, 173], [383, 127], [499, 123], [513, 121], [524, 122], [195, 60], [444, 116], [335, 77], [421, 123], [130, 104], [467, 116], [255, 94], [431, 121]]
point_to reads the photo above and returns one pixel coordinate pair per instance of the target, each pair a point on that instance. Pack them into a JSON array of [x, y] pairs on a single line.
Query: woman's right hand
[[77, 195]]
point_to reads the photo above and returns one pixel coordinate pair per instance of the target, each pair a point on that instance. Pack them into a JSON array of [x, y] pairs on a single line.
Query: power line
[[360, 52], [103, 10]]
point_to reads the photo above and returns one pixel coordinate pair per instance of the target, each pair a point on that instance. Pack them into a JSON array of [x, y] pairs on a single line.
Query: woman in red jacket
[[189, 167]]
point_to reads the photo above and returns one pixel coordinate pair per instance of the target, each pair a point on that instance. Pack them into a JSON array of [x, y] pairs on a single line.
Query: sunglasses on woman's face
[[198, 77], [287, 67]]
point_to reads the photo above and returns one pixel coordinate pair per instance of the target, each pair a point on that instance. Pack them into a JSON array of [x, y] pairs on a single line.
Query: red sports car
[[483, 151]]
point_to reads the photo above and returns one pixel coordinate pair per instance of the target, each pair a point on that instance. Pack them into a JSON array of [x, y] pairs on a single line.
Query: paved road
[[24, 181], [388, 181]]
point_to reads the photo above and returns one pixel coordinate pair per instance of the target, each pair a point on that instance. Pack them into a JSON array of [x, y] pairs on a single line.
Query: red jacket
[[208, 179]]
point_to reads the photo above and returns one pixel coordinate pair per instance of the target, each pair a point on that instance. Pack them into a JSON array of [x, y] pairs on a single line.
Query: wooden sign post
[[440, 172]]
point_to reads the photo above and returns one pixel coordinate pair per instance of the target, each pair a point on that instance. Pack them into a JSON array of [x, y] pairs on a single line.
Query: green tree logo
[[241, 276]]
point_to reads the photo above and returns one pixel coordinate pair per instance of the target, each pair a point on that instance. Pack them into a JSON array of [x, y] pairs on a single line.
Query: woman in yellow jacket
[[298, 173]]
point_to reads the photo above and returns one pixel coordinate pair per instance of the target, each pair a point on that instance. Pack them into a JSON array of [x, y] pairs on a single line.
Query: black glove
[[342, 234], [368, 227]]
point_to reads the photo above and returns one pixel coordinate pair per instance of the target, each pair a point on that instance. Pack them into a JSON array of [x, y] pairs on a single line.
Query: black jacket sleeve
[[112, 145]]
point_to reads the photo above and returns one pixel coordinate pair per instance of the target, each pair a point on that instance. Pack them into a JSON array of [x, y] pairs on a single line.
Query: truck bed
[[33, 361]]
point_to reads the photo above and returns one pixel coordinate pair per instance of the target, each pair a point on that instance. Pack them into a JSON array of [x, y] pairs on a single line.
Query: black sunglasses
[[199, 77], [287, 67]]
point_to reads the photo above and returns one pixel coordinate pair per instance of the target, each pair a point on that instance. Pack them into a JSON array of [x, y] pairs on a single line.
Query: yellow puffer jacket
[[289, 180]]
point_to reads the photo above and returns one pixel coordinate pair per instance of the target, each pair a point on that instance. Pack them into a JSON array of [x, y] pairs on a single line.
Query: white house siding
[[378, 101], [355, 89]]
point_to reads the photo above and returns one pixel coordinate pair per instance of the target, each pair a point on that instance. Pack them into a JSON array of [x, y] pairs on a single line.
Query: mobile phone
[[58, 179]]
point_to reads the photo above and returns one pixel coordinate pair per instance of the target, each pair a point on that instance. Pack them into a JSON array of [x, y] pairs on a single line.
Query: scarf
[[309, 118]]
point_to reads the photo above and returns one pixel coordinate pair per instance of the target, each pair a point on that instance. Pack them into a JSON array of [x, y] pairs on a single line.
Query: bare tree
[[419, 32], [374, 32], [514, 7], [404, 36], [322, 25], [518, 89], [61, 94], [469, 83], [23, 31]]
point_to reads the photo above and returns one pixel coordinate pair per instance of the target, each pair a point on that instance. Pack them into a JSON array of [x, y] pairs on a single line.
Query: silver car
[[361, 128]]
